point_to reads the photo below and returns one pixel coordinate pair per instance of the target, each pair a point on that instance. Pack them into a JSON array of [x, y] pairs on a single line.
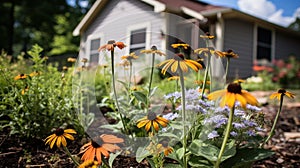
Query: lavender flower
[[238, 125], [170, 116], [251, 133], [212, 135], [233, 133]]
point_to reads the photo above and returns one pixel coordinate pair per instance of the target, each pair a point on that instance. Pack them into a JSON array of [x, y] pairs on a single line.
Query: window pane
[[264, 53], [264, 35], [138, 36], [94, 58], [95, 44]]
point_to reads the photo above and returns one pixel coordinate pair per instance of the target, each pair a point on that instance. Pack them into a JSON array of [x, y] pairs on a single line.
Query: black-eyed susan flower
[[100, 146], [281, 92], [84, 60], [70, 59], [35, 73], [59, 137], [153, 50], [131, 56], [152, 120], [179, 62], [239, 81], [207, 36], [232, 94], [25, 90], [185, 46], [21, 76], [229, 54], [209, 51]]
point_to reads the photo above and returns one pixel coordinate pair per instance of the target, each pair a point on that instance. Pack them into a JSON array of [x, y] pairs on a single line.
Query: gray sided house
[[143, 23]]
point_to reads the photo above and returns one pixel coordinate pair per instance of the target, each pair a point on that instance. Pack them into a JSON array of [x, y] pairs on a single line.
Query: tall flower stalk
[[110, 47], [228, 97], [180, 64], [152, 51], [279, 95], [228, 55]]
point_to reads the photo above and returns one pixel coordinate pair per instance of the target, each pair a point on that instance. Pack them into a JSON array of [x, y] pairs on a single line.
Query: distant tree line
[[48, 23]]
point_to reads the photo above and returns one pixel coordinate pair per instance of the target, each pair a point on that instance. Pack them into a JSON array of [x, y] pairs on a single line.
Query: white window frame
[[88, 46], [145, 25], [273, 40]]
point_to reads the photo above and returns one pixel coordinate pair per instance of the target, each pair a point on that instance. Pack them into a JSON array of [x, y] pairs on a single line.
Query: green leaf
[[168, 134], [170, 165], [153, 90], [208, 151], [247, 155], [180, 153], [140, 96], [141, 154], [112, 157], [198, 161]]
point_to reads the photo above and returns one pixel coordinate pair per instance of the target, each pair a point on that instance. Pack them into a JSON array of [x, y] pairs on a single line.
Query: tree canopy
[[48, 23]]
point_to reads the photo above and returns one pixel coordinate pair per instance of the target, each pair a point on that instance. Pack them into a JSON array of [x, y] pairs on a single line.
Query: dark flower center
[[234, 88], [59, 132], [21, 75], [111, 42], [164, 143], [229, 51], [153, 48], [151, 116], [97, 142], [179, 57], [282, 91]]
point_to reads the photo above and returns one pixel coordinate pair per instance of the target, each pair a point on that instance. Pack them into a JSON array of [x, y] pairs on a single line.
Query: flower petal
[[53, 142], [111, 139], [155, 125], [230, 99], [241, 99], [249, 98], [216, 94], [148, 126], [71, 131]]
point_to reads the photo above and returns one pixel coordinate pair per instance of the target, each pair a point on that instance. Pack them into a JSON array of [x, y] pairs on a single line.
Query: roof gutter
[[158, 6], [193, 13]]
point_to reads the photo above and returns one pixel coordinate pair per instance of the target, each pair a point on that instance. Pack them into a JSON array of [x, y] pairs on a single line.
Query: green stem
[[151, 77], [130, 74], [275, 121], [115, 92], [227, 67], [184, 142], [205, 76], [69, 154], [226, 136]]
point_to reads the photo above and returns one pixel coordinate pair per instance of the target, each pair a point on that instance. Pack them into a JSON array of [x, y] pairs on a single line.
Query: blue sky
[[282, 12]]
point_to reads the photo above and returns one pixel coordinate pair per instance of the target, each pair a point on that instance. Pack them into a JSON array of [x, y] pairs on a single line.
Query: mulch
[[18, 153]]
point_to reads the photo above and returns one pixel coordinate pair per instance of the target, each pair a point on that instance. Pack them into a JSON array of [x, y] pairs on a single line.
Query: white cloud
[[267, 10]]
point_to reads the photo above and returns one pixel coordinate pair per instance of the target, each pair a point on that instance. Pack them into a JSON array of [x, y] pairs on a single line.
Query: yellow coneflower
[[25, 90], [229, 54], [84, 60], [65, 68], [59, 137], [239, 81], [89, 164], [35, 73], [207, 36], [21, 76], [179, 62], [70, 59], [185, 46], [131, 56], [281, 92], [153, 50], [152, 120], [232, 94], [209, 50], [99, 146]]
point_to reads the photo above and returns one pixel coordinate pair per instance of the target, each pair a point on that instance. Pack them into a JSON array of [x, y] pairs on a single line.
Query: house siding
[[114, 20], [286, 45], [238, 36]]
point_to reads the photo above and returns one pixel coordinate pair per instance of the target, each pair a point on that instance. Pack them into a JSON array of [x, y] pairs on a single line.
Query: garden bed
[[31, 152]]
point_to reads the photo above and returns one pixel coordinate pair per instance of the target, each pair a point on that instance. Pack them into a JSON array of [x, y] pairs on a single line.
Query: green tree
[[295, 25]]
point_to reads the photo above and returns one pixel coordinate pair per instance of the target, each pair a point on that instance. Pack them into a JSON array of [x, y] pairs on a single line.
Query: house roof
[[197, 9]]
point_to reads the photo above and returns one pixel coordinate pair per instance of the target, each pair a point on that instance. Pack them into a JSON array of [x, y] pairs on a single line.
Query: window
[[94, 54], [93, 43], [138, 39], [264, 44]]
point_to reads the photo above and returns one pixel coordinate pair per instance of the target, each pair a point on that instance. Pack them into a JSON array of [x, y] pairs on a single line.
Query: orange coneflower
[[99, 146], [152, 120], [229, 54], [111, 45], [131, 56], [179, 62], [59, 137], [70, 59], [164, 147], [153, 50], [185, 46], [207, 36], [232, 94]]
